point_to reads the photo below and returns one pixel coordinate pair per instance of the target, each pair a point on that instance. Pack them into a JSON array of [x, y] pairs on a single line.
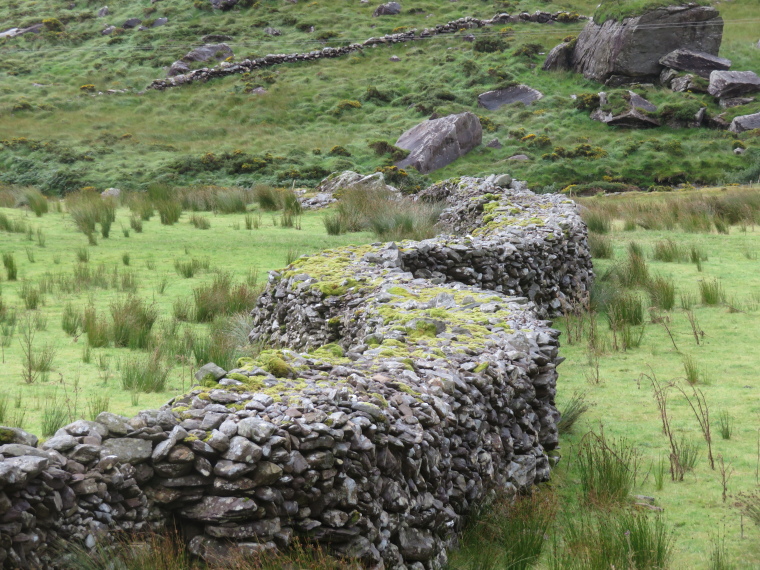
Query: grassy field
[[134, 138], [76, 386]]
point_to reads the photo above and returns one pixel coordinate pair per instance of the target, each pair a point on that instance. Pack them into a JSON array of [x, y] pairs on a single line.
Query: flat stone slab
[[733, 83], [697, 62], [745, 123], [492, 100]]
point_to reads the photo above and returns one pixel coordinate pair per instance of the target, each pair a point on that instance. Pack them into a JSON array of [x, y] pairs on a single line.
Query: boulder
[[733, 83], [729, 102], [519, 157], [108, 30], [211, 370], [634, 46], [177, 68], [492, 100], [688, 83], [131, 23], [436, 143], [11, 33], [103, 12], [494, 143], [158, 22], [695, 61], [272, 32], [560, 58], [389, 9], [17, 435], [634, 119], [745, 123], [110, 193], [208, 52]]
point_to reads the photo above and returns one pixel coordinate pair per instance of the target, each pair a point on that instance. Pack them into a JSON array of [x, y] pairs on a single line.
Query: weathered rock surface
[[695, 61], [492, 100], [633, 47], [686, 83], [389, 9], [745, 123], [560, 58], [438, 142], [733, 83], [202, 53], [388, 437]]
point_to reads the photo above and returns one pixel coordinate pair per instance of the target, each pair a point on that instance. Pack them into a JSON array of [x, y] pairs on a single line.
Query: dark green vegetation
[[60, 133]]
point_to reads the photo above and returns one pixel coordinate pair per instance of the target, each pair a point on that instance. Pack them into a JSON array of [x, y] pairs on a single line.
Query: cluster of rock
[[327, 192], [131, 24], [206, 52], [246, 66], [418, 378], [675, 46]]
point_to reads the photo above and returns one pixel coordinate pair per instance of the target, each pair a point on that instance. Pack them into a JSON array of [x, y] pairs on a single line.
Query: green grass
[[84, 298], [619, 9], [726, 356]]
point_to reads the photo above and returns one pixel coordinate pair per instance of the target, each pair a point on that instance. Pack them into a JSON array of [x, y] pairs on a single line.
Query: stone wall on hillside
[[246, 66], [417, 377]]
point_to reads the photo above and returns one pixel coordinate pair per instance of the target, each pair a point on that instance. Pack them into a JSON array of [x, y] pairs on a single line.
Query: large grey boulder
[[633, 47], [695, 61], [208, 52], [389, 9], [560, 58], [745, 123], [439, 142], [733, 83], [492, 100]]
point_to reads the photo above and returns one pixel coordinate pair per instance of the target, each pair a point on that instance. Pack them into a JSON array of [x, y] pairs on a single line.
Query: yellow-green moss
[[237, 376], [482, 367]]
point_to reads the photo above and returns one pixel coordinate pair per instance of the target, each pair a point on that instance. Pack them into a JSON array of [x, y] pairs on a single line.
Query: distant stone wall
[[418, 377], [226, 68]]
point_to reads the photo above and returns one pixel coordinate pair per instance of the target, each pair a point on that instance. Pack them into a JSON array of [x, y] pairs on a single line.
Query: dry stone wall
[[226, 68], [418, 377]]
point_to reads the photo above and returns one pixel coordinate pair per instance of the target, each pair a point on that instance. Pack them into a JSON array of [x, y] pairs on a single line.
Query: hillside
[[62, 130]]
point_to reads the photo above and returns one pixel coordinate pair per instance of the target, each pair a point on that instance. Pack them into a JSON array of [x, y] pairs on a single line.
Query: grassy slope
[[236, 251], [294, 117], [624, 404]]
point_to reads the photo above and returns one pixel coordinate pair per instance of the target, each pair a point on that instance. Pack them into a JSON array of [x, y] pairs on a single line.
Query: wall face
[[417, 378]]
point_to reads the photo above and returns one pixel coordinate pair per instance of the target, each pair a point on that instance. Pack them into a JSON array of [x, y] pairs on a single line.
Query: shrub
[[11, 269], [489, 44], [71, 320], [662, 292], [132, 321], [711, 292], [334, 224], [221, 297], [169, 211], [384, 147], [36, 201], [200, 222], [95, 327], [345, 105], [339, 151], [528, 50], [266, 197]]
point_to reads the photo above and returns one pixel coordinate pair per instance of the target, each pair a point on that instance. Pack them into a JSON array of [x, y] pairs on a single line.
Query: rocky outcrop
[[694, 61], [636, 116], [418, 377], [733, 83], [439, 142], [560, 58], [745, 123], [246, 66], [633, 47], [492, 100]]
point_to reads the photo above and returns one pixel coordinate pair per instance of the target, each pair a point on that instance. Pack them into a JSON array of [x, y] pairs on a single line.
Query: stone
[[436, 143], [242, 450], [255, 429], [388, 9], [519, 157], [272, 32], [634, 46], [131, 23], [220, 509], [686, 83], [560, 58], [729, 102], [394, 58], [695, 61], [503, 180], [733, 83], [108, 30], [103, 12], [17, 435], [82, 428], [162, 450], [416, 544], [745, 123], [266, 473], [492, 100], [61, 443], [116, 425], [211, 370], [638, 102], [158, 22], [494, 143], [128, 450]]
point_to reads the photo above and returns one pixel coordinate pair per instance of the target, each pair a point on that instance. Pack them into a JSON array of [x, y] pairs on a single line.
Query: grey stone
[[267, 473], [633, 47], [62, 442], [128, 450], [103, 12], [158, 22], [255, 429], [17, 435], [560, 58], [416, 544], [388, 9], [733, 83], [492, 100], [519, 157], [494, 143], [108, 30], [116, 425], [272, 32], [242, 450], [212, 370], [695, 61], [436, 143], [729, 102], [745, 123], [81, 428], [131, 23], [220, 509], [162, 450]]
